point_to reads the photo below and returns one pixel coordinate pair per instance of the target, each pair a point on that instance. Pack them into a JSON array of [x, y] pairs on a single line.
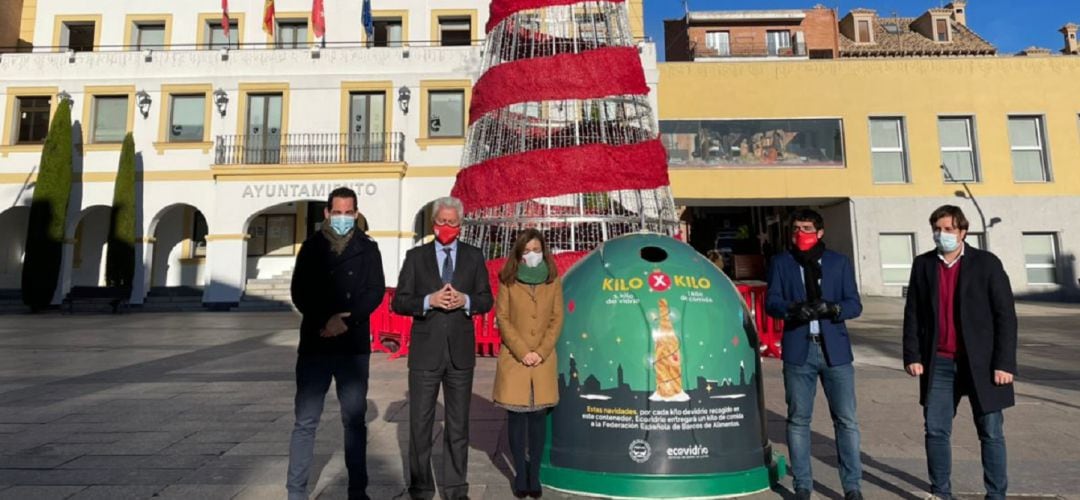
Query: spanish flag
[[268, 17]]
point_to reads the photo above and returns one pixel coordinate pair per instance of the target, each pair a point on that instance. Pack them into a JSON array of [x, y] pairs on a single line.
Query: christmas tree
[[562, 136]]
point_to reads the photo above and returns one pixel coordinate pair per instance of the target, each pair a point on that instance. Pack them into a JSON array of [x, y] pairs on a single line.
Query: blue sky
[[1011, 25]]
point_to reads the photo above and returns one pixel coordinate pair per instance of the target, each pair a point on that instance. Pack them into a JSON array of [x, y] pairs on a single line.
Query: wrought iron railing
[[318, 148], [769, 48]]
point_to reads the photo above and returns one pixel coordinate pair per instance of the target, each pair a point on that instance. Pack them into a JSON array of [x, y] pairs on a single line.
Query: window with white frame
[[455, 31], [446, 113], [1040, 258], [957, 135], [78, 36], [187, 118], [31, 119], [778, 42], [1028, 144], [216, 37], [388, 32], [887, 150], [109, 118], [719, 42], [148, 36], [291, 33], [897, 254]]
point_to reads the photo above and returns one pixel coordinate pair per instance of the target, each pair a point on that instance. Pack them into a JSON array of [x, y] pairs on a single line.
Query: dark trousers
[[313, 375], [457, 394], [527, 430], [941, 402]]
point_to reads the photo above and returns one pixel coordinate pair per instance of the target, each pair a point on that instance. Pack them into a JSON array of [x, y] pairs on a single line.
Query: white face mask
[[533, 259]]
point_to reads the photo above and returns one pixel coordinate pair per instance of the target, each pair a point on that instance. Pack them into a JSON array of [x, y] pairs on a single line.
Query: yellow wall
[[919, 90]]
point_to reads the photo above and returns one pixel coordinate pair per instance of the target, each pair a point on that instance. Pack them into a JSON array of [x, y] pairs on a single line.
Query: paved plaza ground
[[199, 405]]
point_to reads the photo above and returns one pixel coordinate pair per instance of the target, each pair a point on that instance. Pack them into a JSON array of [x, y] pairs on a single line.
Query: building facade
[[239, 136], [876, 140]]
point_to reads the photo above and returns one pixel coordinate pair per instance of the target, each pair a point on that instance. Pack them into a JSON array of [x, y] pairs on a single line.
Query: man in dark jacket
[[813, 290], [960, 339], [442, 285], [337, 283]]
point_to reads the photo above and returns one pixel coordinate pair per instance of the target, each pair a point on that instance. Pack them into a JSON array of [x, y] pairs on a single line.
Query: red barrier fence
[[390, 332]]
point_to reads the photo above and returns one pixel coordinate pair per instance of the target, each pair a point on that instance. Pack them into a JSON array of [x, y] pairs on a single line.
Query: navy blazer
[[786, 287]]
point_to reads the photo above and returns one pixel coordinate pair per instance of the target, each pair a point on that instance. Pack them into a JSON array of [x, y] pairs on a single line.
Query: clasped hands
[[805, 312], [532, 359], [447, 298], [335, 325]]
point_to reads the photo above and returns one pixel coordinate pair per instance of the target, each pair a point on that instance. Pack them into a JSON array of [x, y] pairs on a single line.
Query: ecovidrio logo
[[695, 451]]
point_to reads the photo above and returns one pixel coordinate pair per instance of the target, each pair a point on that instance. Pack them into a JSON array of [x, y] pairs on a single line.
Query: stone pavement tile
[[191, 448], [88, 477], [219, 436], [200, 491], [33, 461], [254, 461], [218, 475], [268, 448], [341, 491], [137, 462], [266, 491], [39, 492], [117, 492], [91, 437]]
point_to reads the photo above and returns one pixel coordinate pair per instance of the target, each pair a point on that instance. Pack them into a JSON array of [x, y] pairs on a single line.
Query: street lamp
[[144, 101], [968, 195], [221, 100], [404, 95]]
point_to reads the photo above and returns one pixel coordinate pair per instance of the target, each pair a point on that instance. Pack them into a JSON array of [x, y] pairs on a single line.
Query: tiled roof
[[907, 42]]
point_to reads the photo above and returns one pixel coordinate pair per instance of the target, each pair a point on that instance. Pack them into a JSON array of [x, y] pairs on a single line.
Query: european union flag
[[369, 23]]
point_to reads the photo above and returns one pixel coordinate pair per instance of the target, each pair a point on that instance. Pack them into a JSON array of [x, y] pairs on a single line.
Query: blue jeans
[[313, 374], [939, 413], [800, 389]]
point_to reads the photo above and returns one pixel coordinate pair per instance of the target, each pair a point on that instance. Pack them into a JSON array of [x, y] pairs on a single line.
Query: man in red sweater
[[960, 339]]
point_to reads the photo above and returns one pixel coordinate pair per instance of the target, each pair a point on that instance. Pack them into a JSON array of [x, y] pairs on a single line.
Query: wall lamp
[[221, 100], [144, 101], [65, 97], [403, 97]]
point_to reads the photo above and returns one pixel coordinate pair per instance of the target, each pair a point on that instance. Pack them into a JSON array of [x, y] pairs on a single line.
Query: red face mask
[[446, 233], [805, 241]]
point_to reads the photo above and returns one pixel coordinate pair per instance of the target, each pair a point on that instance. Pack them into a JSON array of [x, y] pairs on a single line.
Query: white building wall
[[874, 216], [176, 178]]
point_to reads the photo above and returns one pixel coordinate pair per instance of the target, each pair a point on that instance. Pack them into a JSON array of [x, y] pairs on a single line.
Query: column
[[226, 267]]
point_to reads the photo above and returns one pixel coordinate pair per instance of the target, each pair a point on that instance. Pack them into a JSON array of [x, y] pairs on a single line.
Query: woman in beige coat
[[529, 307]]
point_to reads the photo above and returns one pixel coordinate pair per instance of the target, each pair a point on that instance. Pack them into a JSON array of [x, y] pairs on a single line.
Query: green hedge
[[120, 256], [48, 213]]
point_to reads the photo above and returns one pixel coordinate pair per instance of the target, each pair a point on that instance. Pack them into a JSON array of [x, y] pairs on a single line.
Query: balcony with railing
[[795, 49], [309, 149]]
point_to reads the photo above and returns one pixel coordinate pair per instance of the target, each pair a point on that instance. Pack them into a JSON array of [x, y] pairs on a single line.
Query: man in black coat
[[441, 285], [337, 283], [960, 339]]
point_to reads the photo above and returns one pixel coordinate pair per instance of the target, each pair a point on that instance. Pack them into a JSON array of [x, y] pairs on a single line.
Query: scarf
[[810, 261], [338, 243], [533, 275]]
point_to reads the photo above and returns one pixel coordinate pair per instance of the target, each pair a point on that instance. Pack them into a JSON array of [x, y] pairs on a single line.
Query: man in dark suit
[[337, 283], [441, 284], [813, 290], [960, 339]]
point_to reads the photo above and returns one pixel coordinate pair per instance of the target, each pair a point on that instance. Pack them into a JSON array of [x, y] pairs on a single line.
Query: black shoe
[[802, 494], [536, 493], [853, 495], [520, 494]]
